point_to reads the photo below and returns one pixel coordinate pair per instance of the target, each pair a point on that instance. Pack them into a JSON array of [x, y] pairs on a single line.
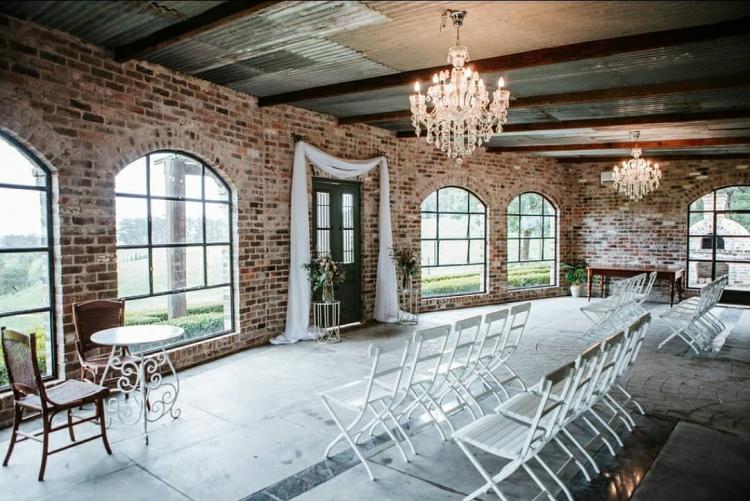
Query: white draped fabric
[[298, 305]]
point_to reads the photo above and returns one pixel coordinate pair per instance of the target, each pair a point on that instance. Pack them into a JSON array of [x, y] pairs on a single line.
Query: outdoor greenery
[[529, 276], [40, 358], [199, 321], [446, 285]]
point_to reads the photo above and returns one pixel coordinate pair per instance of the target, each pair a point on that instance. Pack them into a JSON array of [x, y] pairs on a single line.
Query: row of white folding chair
[[625, 302], [692, 320], [591, 381], [430, 368]]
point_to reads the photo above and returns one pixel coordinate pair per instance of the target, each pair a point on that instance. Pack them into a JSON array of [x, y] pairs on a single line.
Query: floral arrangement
[[407, 261], [325, 272]]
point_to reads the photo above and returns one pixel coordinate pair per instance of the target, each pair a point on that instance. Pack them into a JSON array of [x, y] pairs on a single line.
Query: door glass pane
[[132, 221], [217, 223], [347, 210], [24, 218], [174, 175], [733, 249], [324, 242], [348, 243], [176, 222], [24, 281], [453, 251], [16, 168], [453, 200], [218, 264], [177, 268], [453, 226], [132, 272], [324, 209], [132, 179]]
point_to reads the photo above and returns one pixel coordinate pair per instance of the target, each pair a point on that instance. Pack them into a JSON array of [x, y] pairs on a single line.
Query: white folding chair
[[637, 333], [376, 394], [517, 441], [642, 295]]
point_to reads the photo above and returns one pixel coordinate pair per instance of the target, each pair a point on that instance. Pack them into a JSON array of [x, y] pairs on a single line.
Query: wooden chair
[[89, 318], [29, 394]]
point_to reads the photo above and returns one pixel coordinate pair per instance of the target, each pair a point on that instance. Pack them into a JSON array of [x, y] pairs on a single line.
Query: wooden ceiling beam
[[735, 81], [211, 19], [529, 59], [626, 145], [663, 158], [592, 123]]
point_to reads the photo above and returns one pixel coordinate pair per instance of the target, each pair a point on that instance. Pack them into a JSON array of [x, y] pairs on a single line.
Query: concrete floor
[[253, 427]]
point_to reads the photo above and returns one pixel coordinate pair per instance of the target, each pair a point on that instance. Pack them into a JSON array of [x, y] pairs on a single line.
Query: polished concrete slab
[[253, 427]]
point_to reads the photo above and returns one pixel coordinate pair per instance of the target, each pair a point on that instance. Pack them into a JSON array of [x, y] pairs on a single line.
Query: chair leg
[[70, 426], [45, 445], [17, 415], [102, 425]]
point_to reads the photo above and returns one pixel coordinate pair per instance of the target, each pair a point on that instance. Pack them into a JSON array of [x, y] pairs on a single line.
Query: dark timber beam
[[592, 123], [213, 18], [626, 145], [529, 59], [663, 158], [736, 81]]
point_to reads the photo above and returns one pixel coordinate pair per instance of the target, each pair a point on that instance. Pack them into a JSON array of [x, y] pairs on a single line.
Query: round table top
[[136, 334]]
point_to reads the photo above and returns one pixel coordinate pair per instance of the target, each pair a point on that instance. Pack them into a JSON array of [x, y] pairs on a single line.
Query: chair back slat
[[519, 315], [19, 354], [465, 350], [430, 352], [93, 316], [495, 333], [385, 374], [544, 422]]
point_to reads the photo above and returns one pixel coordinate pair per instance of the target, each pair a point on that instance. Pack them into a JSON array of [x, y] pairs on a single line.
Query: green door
[[336, 232]]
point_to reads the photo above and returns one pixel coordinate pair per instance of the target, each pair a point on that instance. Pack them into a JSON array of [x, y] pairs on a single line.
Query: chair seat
[[523, 406], [498, 435], [603, 306], [68, 394], [352, 395]]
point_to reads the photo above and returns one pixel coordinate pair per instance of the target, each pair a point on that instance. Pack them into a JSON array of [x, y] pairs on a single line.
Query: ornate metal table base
[[149, 396], [326, 321]]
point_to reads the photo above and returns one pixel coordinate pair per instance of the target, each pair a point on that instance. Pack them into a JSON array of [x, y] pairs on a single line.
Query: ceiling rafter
[[662, 158], [538, 57], [626, 145]]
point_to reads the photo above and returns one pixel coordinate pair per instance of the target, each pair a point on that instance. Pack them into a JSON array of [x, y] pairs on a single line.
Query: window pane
[[347, 210], [175, 175], [218, 264], [548, 208], [699, 273], [24, 281], [132, 272], [217, 223], [348, 246], [531, 226], [531, 203], [476, 251], [132, 179], [453, 200], [514, 206], [700, 247], [215, 188], [549, 227], [324, 242], [531, 249], [530, 274], [512, 250], [453, 226], [324, 209], [733, 249], [476, 226], [453, 251], [739, 275], [701, 223], [177, 268], [549, 249], [732, 224], [176, 222], [453, 280], [733, 198], [513, 223], [429, 257], [706, 202], [475, 205], [38, 324], [132, 221], [429, 225], [24, 218], [430, 203], [16, 168]]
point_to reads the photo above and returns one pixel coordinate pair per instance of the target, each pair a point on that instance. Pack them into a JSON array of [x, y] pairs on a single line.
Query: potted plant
[[575, 274], [406, 260], [324, 273]]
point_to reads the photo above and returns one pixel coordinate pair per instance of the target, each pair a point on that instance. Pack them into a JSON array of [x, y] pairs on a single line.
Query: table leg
[[142, 375], [671, 292], [603, 278], [679, 289], [591, 282]]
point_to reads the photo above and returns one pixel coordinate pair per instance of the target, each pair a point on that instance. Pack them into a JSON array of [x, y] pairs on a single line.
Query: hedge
[[199, 320], [525, 277], [450, 284]]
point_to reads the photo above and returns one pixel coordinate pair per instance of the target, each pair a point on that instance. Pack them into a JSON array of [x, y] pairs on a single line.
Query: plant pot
[[576, 290], [327, 294]]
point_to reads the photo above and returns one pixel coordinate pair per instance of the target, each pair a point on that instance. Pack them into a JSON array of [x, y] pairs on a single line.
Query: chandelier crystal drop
[[636, 177], [456, 112]]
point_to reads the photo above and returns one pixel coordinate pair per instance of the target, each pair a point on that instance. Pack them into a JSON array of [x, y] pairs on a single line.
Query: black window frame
[[520, 215], [468, 238], [150, 246], [51, 309]]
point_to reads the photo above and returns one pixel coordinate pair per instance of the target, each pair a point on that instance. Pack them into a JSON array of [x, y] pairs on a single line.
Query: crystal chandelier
[[636, 177], [461, 116]]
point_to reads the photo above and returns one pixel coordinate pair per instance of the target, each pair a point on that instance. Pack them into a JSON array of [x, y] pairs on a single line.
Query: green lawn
[[466, 283]]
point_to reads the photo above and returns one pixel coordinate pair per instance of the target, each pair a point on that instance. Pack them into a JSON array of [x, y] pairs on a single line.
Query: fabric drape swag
[[298, 305]]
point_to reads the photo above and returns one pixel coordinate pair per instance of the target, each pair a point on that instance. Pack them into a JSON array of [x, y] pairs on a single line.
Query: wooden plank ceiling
[[582, 75]]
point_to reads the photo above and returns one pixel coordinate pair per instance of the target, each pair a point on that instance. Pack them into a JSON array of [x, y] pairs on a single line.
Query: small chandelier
[[636, 177], [461, 117]]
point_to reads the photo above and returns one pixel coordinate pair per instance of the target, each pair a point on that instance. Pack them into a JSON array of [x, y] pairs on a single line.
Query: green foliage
[[529, 276], [322, 270], [40, 358], [446, 285], [575, 273]]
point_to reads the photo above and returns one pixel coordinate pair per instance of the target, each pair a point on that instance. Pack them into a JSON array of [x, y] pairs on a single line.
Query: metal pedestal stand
[[326, 321]]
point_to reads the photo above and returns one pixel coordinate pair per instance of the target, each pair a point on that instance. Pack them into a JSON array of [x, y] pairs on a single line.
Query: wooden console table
[[675, 276]]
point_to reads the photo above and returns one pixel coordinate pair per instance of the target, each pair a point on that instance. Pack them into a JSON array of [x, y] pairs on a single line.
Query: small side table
[[408, 306], [327, 321]]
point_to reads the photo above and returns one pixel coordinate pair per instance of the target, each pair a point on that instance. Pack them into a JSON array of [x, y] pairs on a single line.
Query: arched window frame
[[520, 215], [204, 244], [437, 239], [50, 309]]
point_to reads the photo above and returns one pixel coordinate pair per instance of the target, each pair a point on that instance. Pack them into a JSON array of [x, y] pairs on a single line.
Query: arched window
[[532, 242], [26, 285], [719, 239], [454, 228], [174, 245]]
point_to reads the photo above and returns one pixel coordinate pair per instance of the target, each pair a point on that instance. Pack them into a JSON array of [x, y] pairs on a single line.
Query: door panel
[[336, 232]]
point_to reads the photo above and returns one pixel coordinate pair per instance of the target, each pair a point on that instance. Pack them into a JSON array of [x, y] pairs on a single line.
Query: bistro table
[[674, 276], [150, 397]]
